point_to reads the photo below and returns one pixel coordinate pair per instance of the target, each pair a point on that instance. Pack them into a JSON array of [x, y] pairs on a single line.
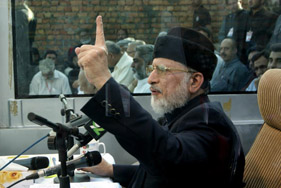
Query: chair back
[[263, 161]]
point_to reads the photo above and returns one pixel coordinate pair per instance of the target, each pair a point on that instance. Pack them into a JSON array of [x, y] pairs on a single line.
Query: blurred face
[[85, 38], [138, 67], [85, 86], [255, 4], [274, 60], [169, 89], [51, 56], [250, 56], [227, 50], [232, 5], [260, 66], [121, 34], [131, 50]]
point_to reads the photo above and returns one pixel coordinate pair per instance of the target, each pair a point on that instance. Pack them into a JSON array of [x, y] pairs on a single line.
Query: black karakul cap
[[188, 47]]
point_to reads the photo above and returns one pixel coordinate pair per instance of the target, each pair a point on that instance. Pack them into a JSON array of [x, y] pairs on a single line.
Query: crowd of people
[[245, 43]]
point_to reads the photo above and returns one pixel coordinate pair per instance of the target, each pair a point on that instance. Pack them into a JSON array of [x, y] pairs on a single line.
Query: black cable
[[16, 183]]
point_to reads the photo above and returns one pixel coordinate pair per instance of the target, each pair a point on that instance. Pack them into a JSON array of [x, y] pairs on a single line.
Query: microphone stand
[[61, 146], [63, 132], [69, 116]]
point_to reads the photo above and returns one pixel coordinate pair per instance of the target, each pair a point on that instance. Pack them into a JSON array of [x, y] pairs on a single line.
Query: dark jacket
[[201, 17], [261, 24], [198, 146]]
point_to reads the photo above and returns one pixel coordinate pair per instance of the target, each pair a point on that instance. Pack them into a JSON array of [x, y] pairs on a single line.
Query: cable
[[16, 183], [24, 151]]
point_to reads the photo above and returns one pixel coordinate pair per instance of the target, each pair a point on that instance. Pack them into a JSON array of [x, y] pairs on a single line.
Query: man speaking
[[197, 147]]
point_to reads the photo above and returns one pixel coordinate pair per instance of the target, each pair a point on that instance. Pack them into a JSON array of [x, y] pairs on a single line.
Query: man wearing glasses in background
[[197, 147]]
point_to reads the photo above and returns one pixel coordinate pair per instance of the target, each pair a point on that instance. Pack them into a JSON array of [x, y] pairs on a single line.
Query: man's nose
[[153, 77]]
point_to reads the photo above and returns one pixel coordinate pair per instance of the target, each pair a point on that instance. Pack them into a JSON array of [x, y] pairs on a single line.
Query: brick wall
[[58, 21]]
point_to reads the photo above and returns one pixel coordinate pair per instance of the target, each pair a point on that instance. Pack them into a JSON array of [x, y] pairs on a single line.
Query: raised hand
[[93, 58]]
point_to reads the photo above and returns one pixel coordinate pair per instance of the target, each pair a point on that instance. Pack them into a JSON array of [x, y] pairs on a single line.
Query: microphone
[[66, 107], [93, 132], [89, 159], [56, 127], [34, 163], [78, 121]]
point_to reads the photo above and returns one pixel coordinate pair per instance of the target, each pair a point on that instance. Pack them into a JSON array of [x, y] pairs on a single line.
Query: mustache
[[153, 87]]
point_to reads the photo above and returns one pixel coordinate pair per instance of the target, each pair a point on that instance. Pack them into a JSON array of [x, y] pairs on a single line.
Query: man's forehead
[[167, 62]]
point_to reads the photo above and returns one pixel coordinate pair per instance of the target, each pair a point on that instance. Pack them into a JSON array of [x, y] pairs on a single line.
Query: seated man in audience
[[260, 66], [275, 56], [49, 81], [119, 64], [131, 50], [143, 57], [52, 54], [234, 75]]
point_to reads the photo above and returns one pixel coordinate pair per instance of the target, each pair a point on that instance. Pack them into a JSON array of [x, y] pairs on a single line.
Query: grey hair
[[112, 47]]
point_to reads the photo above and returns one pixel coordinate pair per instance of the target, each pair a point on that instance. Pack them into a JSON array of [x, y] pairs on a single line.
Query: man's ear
[[196, 81]]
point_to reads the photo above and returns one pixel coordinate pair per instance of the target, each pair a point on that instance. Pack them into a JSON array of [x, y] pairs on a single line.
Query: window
[[51, 30]]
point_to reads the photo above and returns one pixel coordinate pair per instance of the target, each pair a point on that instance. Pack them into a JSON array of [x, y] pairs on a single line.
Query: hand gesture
[[93, 58]]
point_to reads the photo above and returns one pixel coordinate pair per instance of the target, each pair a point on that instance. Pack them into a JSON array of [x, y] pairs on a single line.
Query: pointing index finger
[[100, 40]]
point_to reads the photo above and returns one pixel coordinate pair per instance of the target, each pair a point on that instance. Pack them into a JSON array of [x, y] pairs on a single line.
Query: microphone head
[[31, 116], [94, 158], [39, 163], [61, 97]]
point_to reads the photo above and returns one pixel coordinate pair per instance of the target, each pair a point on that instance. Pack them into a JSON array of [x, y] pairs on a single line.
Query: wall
[[6, 61], [59, 21]]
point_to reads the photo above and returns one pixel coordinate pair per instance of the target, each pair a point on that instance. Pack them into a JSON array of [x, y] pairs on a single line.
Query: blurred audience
[[119, 64], [258, 28], [131, 50], [52, 54], [85, 37], [72, 71], [124, 43], [220, 63], [84, 86], [201, 16], [260, 60], [143, 57], [275, 56], [49, 81], [276, 35], [230, 22], [234, 74], [122, 34]]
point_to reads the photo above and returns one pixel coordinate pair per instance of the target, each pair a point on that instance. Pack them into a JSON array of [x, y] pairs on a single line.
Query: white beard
[[176, 100]]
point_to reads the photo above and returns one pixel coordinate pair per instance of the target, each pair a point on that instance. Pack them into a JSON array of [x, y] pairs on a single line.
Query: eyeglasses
[[162, 69]]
